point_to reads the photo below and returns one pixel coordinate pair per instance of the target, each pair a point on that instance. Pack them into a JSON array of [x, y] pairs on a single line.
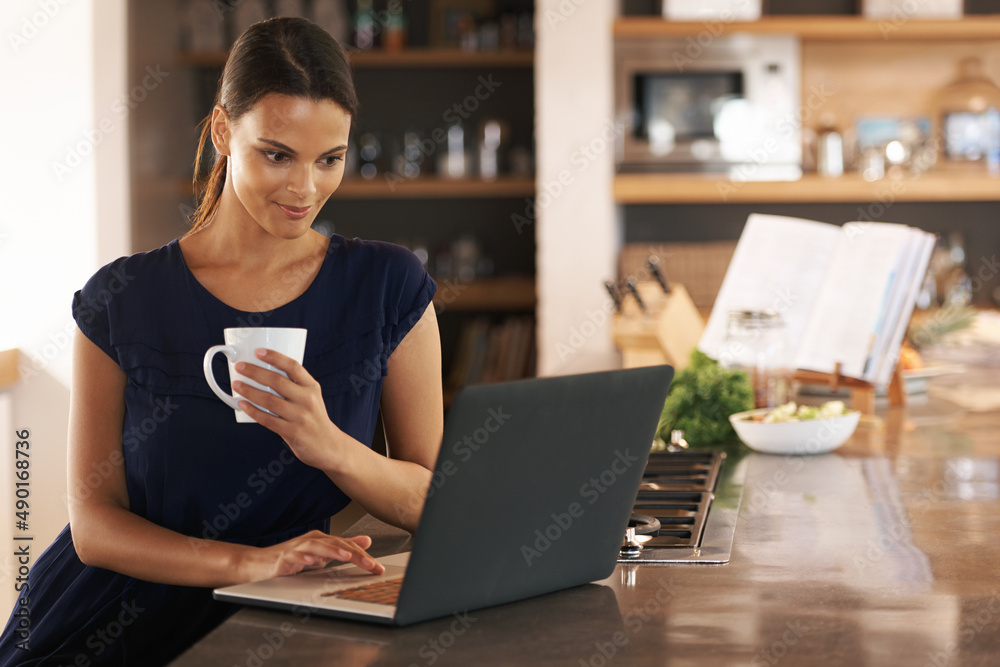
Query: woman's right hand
[[310, 551]]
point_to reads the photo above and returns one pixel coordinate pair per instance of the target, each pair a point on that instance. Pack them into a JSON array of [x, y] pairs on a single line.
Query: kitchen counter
[[884, 552]]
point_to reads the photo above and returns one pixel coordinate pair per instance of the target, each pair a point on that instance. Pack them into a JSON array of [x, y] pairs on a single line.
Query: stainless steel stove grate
[[695, 496]]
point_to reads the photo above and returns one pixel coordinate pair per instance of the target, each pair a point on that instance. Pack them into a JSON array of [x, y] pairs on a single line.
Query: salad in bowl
[[796, 429]]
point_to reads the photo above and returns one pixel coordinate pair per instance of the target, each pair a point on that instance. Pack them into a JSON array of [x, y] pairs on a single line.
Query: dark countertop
[[884, 552]]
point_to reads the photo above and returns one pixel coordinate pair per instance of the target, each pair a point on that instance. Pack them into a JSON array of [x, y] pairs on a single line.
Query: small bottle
[[370, 155], [332, 16], [364, 25], [757, 342], [394, 37], [829, 150], [452, 162]]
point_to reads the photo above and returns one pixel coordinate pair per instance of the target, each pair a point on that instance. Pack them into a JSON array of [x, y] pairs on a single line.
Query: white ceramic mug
[[240, 345]]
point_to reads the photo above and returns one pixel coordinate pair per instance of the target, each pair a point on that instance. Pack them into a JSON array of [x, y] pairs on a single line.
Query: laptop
[[531, 494]]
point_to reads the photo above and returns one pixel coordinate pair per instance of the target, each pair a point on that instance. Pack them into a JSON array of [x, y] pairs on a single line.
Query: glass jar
[[757, 342], [968, 117]]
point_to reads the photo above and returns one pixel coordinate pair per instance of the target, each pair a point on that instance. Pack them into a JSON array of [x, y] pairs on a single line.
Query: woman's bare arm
[[106, 534], [393, 489]]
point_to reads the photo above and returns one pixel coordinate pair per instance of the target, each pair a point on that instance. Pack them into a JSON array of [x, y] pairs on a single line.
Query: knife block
[[664, 334]]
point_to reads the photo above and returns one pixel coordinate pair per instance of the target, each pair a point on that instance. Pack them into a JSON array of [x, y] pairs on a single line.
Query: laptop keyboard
[[383, 592]]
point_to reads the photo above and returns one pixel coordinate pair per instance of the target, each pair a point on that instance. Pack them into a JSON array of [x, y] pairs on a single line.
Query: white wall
[[577, 228], [66, 213], [111, 86]]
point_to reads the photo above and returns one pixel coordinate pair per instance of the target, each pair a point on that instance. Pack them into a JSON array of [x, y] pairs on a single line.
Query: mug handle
[[230, 353]]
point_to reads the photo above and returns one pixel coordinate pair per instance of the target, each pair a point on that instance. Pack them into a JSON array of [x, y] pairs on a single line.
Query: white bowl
[[812, 436]]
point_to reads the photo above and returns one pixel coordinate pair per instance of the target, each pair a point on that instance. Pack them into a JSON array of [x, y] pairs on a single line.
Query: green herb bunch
[[701, 399]]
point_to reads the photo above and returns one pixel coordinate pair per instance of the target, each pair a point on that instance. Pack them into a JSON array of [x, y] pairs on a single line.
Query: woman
[[169, 496]]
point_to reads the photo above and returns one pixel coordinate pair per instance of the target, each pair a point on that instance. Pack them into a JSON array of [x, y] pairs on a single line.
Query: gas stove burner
[[644, 524], [638, 524], [686, 508]]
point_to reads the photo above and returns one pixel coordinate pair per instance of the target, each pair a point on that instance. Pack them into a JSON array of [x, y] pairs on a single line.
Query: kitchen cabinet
[[851, 67], [417, 87]]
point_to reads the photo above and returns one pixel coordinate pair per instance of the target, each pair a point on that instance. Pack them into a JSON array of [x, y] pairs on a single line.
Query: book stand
[[667, 327], [663, 330], [862, 392]]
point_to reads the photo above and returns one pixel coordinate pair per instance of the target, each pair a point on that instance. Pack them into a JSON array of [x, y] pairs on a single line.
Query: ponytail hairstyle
[[289, 56]]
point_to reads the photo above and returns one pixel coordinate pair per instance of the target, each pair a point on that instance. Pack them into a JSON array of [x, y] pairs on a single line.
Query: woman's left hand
[[300, 416]]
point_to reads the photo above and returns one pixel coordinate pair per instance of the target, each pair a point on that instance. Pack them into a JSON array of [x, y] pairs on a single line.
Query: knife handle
[[630, 284], [612, 288], [654, 265]]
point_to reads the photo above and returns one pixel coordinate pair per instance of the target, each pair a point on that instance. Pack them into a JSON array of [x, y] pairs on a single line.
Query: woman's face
[[286, 157]]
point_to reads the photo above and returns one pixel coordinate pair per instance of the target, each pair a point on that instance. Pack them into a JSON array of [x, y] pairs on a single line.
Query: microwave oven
[[727, 105]]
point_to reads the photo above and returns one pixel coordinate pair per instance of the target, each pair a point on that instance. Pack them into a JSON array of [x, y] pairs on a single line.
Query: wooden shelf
[[435, 188], [493, 294], [410, 58], [820, 28], [432, 57], [418, 188], [717, 189], [203, 58]]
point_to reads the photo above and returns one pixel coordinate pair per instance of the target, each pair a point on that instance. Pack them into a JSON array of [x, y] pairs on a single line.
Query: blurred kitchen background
[[495, 142]]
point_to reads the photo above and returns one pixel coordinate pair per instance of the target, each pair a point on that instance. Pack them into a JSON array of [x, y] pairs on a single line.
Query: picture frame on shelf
[[451, 19]]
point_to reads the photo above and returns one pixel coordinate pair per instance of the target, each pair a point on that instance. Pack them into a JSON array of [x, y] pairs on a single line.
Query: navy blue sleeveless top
[[189, 465]]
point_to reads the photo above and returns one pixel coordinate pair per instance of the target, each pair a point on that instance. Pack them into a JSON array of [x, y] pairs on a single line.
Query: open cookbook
[[846, 293]]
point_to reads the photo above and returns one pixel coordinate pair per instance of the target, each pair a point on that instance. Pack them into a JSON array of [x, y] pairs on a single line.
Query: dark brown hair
[[290, 56]]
